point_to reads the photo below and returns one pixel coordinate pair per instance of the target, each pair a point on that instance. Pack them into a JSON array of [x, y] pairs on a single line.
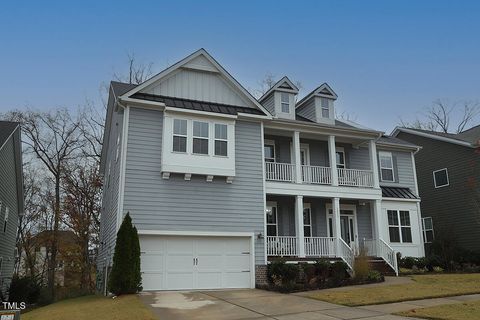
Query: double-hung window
[[200, 137], [272, 226], [399, 226], [307, 220], [325, 108], [285, 102], [221, 140], [179, 135], [386, 166], [269, 151], [440, 178], [340, 154], [427, 228]]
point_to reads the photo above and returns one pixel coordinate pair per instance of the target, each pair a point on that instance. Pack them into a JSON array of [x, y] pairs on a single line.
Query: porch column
[[299, 226], [337, 233], [372, 148], [296, 153], [332, 153], [377, 221]]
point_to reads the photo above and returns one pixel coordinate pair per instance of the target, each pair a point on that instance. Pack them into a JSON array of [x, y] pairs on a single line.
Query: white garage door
[[183, 263]]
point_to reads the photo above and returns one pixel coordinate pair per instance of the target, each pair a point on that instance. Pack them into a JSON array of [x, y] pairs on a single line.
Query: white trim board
[[195, 233]]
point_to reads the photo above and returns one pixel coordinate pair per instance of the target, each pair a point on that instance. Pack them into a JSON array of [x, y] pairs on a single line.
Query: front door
[[347, 225]]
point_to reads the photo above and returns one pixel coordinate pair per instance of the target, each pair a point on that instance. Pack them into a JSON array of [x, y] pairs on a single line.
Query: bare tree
[[446, 117], [137, 72]]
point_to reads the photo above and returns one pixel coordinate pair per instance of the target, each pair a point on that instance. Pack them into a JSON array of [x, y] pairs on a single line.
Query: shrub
[[361, 267], [45, 296], [280, 273], [322, 269], [338, 272], [24, 289], [125, 276], [374, 276], [407, 262]]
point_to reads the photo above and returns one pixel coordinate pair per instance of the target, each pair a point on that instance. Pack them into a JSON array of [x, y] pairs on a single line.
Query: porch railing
[[282, 246], [316, 174], [277, 171], [346, 253], [379, 248], [320, 246], [355, 177]]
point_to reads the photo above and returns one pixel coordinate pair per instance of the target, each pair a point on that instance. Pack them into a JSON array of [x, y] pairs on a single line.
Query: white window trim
[[203, 138], [219, 139], [389, 155], [272, 204], [435, 180], [285, 103], [309, 207], [424, 230], [341, 150], [272, 144], [179, 135], [400, 226]]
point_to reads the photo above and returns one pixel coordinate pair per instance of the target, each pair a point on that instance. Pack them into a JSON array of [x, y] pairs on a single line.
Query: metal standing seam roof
[[398, 192], [197, 105]]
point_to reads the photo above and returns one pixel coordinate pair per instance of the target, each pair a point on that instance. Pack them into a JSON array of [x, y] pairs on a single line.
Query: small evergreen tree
[[125, 275]]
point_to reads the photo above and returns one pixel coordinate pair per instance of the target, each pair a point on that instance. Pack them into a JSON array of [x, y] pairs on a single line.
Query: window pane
[[285, 107], [271, 230], [429, 236], [306, 216], [387, 174], [220, 131], [392, 218], [386, 162], [179, 144], [285, 97], [269, 152], [340, 158], [200, 146], [200, 129], [404, 218], [307, 231], [330, 227], [406, 234], [441, 178], [324, 103], [271, 215], [394, 234], [220, 148], [325, 113], [180, 127], [428, 224]]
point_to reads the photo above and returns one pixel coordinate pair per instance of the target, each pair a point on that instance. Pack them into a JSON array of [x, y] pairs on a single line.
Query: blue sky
[[385, 59]]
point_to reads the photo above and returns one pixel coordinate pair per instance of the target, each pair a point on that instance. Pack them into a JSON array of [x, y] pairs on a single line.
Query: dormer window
[[325, 108], [285, 102]]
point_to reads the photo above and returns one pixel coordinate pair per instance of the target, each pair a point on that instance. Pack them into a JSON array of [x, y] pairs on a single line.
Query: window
[[5, 220], [427, 228], [307, 220], [221, 139], [340, 152], [325, 108], [179, 135], [440, 178], [285, 102], [269, 151], [272, 226], [386, 166], [399, 226], [200, 137]]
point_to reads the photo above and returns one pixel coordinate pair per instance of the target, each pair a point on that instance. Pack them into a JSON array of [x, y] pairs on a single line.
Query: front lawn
[[93, 307], [423, 287], [464, 311]]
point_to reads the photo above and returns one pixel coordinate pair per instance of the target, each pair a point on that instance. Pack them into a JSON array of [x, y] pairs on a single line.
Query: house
[[219, 183], [11, 198], [67, 271], [448, 170]]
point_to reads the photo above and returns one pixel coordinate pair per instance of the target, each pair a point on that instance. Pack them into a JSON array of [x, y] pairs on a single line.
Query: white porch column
[[377, 219], [296, 153], [372, 148], [337, 233], [299, 226], [332, 153]]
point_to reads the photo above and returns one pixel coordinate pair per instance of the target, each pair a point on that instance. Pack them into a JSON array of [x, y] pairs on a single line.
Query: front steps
[[381, 266]]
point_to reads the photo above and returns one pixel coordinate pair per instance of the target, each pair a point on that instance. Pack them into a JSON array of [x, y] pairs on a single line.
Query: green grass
[[463, 311], [423, 287], [127, 307]]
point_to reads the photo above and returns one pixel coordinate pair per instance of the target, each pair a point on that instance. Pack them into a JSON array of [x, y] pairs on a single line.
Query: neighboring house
[[67, 272], [448, 170], [218, 183], [11, 198]]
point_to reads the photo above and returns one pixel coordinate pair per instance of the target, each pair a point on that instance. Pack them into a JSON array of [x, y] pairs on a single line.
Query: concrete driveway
[[250, 304]]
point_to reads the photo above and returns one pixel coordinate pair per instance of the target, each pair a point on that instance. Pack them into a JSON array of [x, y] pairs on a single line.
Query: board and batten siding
[[8, 198], [178, 205]]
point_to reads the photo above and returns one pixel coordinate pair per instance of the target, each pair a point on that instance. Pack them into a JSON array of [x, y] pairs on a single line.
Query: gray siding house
[[448, 169], [11, 199], [219, 183]]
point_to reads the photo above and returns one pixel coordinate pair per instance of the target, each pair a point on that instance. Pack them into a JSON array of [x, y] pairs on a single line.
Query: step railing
[[282, 246], [355, 177], [320, 247], [316, 174], [276, 171], [345, 252], [379, 248]]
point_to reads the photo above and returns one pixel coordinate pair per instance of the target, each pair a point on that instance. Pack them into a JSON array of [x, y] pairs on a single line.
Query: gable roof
[[187, 62], [284, 84], [468, 138], [386, 140], [324, 90]]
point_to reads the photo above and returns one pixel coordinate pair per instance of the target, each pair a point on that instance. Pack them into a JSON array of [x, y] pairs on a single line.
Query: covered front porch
[[304, 228]]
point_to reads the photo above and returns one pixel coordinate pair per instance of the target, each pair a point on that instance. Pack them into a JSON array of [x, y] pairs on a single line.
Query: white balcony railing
[[355, 177], [282, 246], [379, 248], [276, 171], [320, 246], [316, 174]]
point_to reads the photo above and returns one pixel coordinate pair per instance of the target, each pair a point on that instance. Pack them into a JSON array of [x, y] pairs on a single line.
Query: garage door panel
[[237, 262], [179, 281], [209, 280], [152, 280], [237, 280]]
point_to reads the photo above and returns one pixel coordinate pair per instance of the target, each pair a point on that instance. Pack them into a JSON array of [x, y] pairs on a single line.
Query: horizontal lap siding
[[196, 205]]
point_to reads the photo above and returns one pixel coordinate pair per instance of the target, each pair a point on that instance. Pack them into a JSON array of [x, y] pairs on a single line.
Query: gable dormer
[[318, 105], [279, 100]]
